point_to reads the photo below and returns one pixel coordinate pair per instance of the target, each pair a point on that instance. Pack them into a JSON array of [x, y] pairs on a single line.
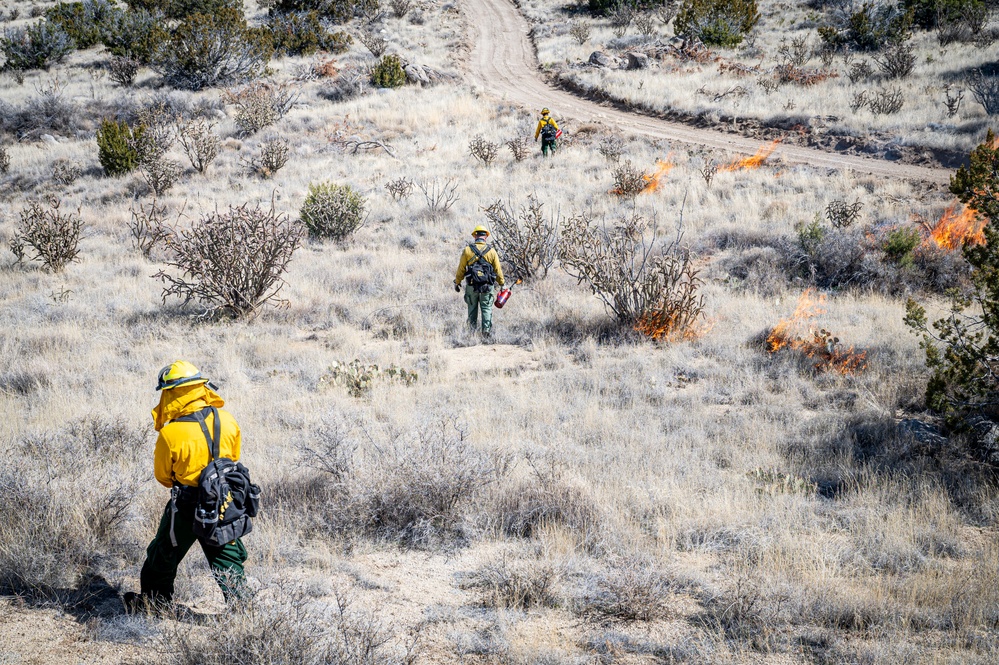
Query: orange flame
[[953, 230], [819, 345], [652, 180], [754, 162], [662, 326]]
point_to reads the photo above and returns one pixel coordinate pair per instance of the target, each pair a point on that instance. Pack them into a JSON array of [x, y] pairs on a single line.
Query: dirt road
[[505, 64]]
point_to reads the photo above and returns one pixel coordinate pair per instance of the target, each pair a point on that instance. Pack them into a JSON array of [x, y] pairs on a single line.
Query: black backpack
[[480, 273], [227, 499], [548, 132]]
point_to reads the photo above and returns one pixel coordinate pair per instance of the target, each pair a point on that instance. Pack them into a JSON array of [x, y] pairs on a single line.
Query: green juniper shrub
[[179, 9], [37, 46], [303, 33], [929, 14], [82, 21], [332, 212], [962, 349], [717, 22], [388, 73], [900, 245], [216, 49], [870, 28], [135, 34], [337, 11], [116, 146]]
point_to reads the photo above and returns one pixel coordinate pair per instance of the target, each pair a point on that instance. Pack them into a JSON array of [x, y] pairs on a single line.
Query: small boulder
[[601, 59], [416, 74], [48, 138], [637, 60]]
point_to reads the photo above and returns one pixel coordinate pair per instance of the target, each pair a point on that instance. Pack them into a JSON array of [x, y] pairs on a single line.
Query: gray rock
[[48, 138], [637, 60], [600, 59], [416, 74], [921, 432]]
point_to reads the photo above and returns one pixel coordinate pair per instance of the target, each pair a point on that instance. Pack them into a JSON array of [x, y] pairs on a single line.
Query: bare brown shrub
[[483, 150], [842, 214], [53, 235], [400, 188], [528, 240], [374, 43], [66, 172], [628, 180], [159, 173], [260, 104], [860, 71], [953, 100], [70, 513], [273, 157], [149, 228], [631, 589], [287, 631], [520, 148], [646, 23], [200, 142], [580, 31], [896, 61], [643, 283], [611, 148], [400, 7], [4, 160], [417, 489], [123, 70], [985, 90], [886, 101], [231, 263], [440, 194], [515, 583]]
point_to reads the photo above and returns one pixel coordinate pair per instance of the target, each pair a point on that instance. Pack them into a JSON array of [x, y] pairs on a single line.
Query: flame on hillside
[[820, 345], [652, 180], [955, 229], [754, 162]]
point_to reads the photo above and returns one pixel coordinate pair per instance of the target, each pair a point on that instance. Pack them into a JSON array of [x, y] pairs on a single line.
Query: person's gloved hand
[[457, 288]]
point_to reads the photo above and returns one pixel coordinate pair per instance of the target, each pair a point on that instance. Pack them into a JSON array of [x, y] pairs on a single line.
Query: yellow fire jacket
[[181, 449], [541, 123], [468, 256]]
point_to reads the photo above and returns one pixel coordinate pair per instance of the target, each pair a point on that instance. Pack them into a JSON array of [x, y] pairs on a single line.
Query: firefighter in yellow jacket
[[548, 131], [480, 268], [181, 454]]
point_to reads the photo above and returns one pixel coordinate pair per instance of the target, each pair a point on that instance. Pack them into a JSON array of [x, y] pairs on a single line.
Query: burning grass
[[753, 162], [652, 180], [821, 346], [955, 229]]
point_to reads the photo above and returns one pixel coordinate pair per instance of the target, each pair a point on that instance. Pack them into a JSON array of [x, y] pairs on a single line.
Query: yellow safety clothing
[[468, 256], [181, 449], [546, 120]]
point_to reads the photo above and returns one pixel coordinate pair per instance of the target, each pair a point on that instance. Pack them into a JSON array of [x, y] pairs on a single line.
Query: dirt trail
[[504, 63]]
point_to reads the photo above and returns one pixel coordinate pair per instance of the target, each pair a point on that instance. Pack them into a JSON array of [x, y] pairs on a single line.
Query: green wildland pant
[[483, 302], [163, 558], [548, 145]]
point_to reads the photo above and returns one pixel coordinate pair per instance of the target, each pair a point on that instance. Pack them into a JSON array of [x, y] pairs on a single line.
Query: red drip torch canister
[[503, 296]]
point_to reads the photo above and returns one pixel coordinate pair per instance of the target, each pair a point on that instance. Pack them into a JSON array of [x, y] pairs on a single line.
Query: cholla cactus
[[358, 377]]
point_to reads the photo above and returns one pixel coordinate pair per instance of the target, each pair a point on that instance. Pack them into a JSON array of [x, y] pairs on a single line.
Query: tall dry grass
[[605, 497]]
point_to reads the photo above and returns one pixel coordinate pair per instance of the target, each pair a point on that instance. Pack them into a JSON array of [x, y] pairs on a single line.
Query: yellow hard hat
[[178, 373], [545, 111], [480, 229]]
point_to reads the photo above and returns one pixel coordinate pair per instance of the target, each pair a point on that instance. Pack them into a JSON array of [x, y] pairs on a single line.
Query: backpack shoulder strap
[[214, 439], [479, 255]]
